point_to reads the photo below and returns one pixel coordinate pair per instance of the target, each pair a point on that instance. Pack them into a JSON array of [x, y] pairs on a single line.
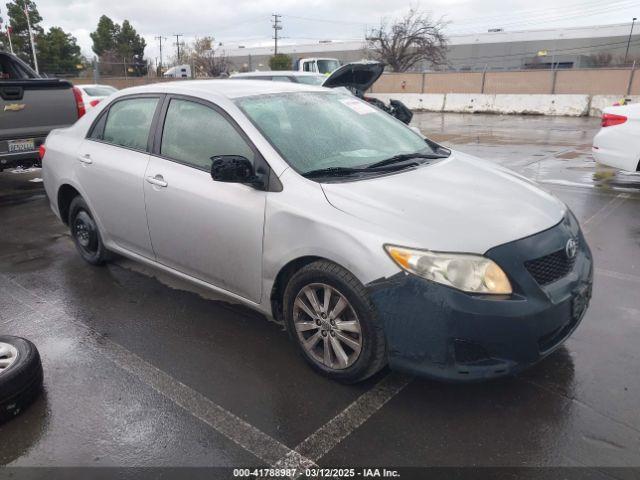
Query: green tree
[[58, 52], [20, 31], [280, 62], [129, 44], [104, 38], [119, 47]]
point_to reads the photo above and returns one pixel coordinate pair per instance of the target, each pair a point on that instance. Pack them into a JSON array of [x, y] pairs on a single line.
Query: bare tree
[[412, 39], [600, 59], [207, 59]]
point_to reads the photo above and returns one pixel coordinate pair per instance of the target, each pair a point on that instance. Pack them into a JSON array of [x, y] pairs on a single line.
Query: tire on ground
[[80, 209], [373, 356], [21, 381]]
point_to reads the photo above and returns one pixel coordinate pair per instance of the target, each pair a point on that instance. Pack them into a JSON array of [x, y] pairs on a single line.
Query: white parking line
[[319, 443], [591, 222], [250, 438], [617, 275], [231, 426]]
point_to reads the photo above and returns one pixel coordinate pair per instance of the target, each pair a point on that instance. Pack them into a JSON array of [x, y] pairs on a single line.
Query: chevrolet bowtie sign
[[14, 107]]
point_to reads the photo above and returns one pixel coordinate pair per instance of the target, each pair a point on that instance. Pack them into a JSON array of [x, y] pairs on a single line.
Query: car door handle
[[86, 158], [158, 181]]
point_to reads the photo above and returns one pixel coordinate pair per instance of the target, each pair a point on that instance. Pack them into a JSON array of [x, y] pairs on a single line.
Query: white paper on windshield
[[358, 106]]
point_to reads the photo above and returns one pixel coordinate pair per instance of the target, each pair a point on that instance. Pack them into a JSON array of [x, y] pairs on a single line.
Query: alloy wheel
[[8, 356], [327, 326]]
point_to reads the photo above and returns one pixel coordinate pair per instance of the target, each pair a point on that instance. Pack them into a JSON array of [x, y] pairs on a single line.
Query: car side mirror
[[235, 169]]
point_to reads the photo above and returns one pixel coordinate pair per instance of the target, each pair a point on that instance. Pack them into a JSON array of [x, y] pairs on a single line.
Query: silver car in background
[[373, 244]]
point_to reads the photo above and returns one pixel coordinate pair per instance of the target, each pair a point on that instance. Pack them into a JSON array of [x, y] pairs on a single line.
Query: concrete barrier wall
[[399, 83], [431, 102], [600, 102], [595, 81], [462, 82], [518, 82], [468, 102], [565, 105]]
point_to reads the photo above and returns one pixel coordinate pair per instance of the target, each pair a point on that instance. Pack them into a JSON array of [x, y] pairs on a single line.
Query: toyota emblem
[[571, 248]]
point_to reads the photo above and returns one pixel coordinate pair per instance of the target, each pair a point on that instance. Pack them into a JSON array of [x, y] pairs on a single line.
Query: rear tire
[[85, 233], [329, 315], [20, 375]]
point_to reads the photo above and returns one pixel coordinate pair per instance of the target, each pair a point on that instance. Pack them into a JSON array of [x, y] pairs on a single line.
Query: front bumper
[[436, 331]]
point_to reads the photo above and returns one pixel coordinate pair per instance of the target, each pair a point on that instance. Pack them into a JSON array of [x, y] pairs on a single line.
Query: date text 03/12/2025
[[315, 473]]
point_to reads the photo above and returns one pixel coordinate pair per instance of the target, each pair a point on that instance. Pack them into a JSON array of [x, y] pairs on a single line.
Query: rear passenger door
[[209, 230], [110, 167]]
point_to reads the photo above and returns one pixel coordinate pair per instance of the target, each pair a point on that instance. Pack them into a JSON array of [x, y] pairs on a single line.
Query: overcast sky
[[247, 22]]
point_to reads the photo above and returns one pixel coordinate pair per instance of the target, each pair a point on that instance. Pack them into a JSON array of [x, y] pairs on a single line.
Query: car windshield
[[311, 79], [99, 91], [327, 66], [318, 130]]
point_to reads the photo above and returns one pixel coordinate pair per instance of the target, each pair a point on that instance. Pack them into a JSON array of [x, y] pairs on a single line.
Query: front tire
[[85, 234], [330, 317]]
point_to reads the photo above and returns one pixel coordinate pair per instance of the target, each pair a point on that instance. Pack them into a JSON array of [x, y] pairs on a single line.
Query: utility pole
[[629, 41], [33, 46], [276, 27], [178, 35], [160, 38]]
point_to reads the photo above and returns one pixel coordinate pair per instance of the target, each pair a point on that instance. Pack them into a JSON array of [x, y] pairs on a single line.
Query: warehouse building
[[577, 47]]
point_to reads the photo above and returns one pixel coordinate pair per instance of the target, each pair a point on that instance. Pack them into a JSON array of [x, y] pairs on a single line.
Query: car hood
[[461, 204], [359, 75]]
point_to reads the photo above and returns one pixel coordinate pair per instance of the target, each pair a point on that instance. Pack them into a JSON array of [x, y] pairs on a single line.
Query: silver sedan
[[372, 243]]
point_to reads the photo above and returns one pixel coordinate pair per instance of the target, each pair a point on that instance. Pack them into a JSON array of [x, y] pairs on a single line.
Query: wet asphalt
[[141, 370]]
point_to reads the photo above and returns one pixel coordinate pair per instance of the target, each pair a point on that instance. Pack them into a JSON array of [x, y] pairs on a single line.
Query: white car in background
[[292, 76], [617, 144], [92, 95]]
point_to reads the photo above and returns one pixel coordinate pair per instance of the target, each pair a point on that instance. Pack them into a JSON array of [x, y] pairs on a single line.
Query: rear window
[[129, 121], [99, 91], [311, 79]]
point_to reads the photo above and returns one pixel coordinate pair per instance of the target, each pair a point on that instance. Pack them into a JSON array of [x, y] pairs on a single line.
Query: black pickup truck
[[30, 107]]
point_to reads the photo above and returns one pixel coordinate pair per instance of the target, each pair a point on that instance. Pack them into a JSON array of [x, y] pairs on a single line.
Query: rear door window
[[99, 91], [193, 133], [129, 121]]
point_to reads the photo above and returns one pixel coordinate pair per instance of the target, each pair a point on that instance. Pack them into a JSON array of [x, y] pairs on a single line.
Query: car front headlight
[[470, 273]]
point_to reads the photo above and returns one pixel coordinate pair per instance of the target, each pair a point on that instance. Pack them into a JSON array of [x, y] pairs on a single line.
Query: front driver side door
[[209, 230]]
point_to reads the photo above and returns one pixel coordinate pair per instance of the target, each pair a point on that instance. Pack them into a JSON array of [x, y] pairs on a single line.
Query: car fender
[[300, 222]]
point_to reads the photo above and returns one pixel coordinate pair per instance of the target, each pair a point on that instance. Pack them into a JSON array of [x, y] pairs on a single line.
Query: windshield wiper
[[345, 171], [404, 157], [333, 172]]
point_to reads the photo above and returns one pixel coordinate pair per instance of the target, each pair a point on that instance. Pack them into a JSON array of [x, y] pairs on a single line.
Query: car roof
[[223, 88], [277, 73]]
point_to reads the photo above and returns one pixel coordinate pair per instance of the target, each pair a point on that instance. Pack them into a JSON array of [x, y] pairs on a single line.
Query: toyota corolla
[[373, 244]]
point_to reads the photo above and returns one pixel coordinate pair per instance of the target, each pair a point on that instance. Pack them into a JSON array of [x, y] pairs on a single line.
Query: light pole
[[629, 41], [33, 45]]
